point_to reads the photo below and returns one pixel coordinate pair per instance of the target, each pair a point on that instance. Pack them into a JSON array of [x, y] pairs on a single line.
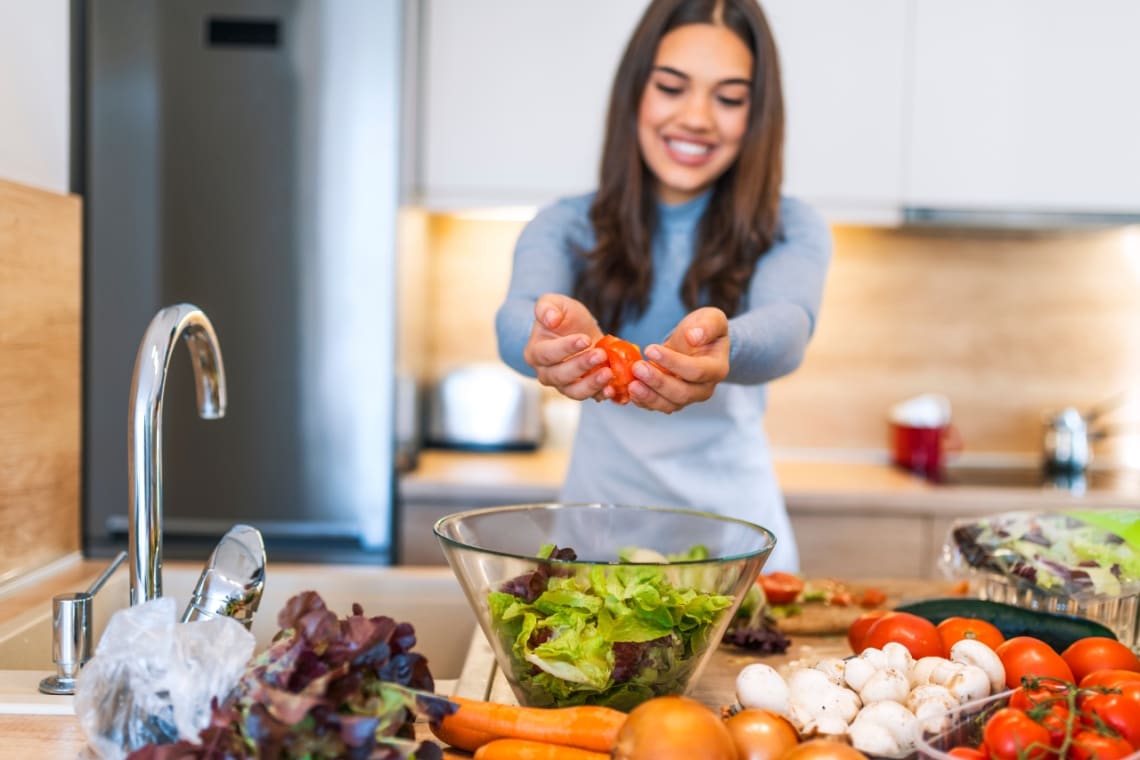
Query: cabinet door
[[1026, 104], [844, 80], [514, 96]]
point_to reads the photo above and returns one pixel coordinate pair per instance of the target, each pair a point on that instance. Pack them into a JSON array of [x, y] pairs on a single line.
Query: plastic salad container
[[1085, 564]]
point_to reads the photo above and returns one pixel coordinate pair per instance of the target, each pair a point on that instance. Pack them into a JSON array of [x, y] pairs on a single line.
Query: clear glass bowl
[[597, 629]]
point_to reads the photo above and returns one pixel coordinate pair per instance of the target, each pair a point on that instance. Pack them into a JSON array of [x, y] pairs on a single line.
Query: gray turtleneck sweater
[[712, 455]]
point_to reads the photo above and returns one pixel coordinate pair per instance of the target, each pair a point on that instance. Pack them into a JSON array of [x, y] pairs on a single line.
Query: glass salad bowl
[[600, 603]]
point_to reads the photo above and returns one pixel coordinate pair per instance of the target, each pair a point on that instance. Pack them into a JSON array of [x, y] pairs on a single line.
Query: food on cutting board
[[795, 606]]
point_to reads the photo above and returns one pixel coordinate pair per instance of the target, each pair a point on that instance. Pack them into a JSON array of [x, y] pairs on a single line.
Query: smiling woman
[[688, 249]]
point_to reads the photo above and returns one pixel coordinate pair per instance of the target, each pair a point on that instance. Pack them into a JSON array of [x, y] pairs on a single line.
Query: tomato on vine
[[1092, 745], [1120, 712], [1011, 734]]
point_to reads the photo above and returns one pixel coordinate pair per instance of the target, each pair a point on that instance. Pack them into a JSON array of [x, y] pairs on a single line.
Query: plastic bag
[[1075, 555], [152, 678]]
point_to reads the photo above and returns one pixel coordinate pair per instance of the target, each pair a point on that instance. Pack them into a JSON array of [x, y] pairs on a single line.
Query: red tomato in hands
[[781, 588], [620, 356], [1025, 657], [917, 634], [1094, 653]]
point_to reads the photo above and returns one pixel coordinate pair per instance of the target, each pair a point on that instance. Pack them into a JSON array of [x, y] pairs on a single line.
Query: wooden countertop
[[47, 737], [809, 486]]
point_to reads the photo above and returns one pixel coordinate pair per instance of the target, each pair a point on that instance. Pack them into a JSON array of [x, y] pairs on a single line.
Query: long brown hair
[[740, 222]]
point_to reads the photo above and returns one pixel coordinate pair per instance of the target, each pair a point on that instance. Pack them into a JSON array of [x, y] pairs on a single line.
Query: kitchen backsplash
[[1006, 324]]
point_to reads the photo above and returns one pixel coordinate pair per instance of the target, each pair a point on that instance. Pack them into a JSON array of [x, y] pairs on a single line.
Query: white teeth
[[688, 148]]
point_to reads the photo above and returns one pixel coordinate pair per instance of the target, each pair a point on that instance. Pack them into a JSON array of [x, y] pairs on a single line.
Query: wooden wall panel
[[40, 375]]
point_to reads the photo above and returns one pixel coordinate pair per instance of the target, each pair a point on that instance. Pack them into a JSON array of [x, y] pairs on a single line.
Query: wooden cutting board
[[818, 619], [40, 371]]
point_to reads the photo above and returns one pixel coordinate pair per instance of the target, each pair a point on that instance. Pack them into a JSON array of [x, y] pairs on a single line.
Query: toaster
[[485, 407]]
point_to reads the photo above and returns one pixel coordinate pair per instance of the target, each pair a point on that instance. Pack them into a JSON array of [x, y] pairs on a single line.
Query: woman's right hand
[[560, 348]]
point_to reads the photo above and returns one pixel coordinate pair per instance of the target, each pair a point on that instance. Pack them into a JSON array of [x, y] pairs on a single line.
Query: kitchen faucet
[[144, 430]]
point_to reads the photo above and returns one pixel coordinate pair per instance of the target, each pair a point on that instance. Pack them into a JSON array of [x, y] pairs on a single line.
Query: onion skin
[[761, 734], [823, 749], [674, 728]]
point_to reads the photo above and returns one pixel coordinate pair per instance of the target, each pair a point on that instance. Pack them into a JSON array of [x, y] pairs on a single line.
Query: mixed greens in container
[[612, 635], [1081, 554]]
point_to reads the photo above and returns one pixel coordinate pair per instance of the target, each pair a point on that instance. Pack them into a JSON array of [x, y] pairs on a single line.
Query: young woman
[[688, 250]]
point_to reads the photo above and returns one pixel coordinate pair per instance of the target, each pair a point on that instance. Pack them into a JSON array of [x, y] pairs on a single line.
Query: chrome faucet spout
[[144, 429]]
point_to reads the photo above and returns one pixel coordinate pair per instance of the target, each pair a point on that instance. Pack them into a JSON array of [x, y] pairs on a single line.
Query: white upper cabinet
[[1026, 105], [514, 96], [844, 69]]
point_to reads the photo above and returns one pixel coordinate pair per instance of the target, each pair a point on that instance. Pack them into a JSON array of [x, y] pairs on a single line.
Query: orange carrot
[[525, 749], [460, 736], [589, 727]]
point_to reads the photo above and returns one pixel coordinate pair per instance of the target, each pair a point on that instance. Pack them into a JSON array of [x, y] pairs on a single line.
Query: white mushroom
[[973, 652], [931, 704], [899, 722], [898, 657], [833, 668], [812, 696], [923, 668], [821, 727], [760, 686], [873, 739], [965, 682], [860, 669], [886, 684]]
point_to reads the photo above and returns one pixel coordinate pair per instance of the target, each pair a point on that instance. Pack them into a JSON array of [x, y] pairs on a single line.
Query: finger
[[591, 385], [569, 348], [671, 390], [647, 398]]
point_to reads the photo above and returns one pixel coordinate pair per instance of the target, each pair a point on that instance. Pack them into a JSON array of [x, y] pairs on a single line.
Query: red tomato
[[1098, 653], [1090, 745], [1026, 657], [1109, 678], [967, 753], [1012, 735], [1056, 722], [1119, 711], [917, 634], [781, 588], [620, 356], [872, 597], [857, 631], [954, 629], [1047, 693]]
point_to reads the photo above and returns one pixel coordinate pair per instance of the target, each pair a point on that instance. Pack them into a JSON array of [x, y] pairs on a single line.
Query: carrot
[[591, 727], [460, 736], [525, 749]]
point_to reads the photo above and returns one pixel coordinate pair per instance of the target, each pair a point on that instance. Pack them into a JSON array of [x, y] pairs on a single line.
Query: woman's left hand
[[687, 367]]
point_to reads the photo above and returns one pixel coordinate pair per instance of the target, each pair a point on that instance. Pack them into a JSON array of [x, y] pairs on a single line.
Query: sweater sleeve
[[545, 261], [768, 339]]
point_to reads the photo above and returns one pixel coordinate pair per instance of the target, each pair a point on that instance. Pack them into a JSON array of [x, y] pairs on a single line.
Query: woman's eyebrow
[[678, 73]]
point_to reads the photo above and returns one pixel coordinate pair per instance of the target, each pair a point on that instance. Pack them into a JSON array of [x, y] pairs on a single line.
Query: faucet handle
[[71, 623]]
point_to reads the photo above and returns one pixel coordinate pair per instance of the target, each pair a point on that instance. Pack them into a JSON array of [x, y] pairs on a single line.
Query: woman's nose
[[696, 112]]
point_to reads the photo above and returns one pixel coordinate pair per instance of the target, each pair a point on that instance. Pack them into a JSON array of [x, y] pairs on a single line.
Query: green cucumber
[[1058, 631]]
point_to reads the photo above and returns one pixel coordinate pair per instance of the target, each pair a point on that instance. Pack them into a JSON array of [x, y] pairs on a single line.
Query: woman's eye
[[668, 89], [731, 102]]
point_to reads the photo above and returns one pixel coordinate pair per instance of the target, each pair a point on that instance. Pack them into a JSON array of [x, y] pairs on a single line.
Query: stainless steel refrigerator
[[245, 156]]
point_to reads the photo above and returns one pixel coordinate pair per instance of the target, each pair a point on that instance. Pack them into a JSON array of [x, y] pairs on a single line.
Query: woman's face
[[694, 111]]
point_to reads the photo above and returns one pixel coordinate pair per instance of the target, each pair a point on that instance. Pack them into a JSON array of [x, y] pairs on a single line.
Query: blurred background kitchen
[[339, 185]]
